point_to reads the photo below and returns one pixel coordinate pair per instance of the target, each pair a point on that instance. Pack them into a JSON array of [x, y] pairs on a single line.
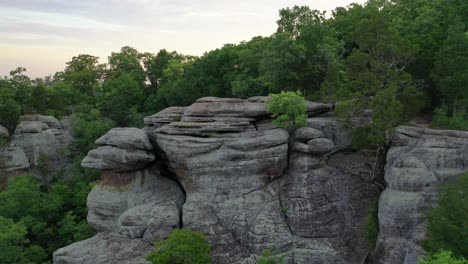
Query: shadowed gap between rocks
[[166, 172]]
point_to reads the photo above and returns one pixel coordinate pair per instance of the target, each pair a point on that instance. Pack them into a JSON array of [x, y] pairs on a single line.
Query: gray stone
[[125, 202], [166, 116], [317, 146], [4, 132], [126, 138], [304, 134], [104, 248], [117, 159], [333, 129], [31, 127], [14, 158], [419, 160], [50, 121]]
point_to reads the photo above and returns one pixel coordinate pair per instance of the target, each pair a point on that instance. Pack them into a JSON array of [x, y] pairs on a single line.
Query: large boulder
[[419, 160], [122, 149], [126, 138], [118, 159]]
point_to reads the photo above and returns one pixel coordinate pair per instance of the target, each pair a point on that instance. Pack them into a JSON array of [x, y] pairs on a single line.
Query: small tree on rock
[[10, 115], [288, 109]]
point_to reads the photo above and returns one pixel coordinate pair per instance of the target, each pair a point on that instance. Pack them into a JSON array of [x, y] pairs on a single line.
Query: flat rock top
[[210, 115], [126, 138]]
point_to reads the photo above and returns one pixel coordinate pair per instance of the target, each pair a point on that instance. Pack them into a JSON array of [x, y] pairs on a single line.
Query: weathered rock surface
[[133, 203], [4, 132], [38, 140], [219, 166], [15, 159], [104, 248], [240, 193], [126, 138], [128, 203], [113, 158], [418, 161], [122, 149]]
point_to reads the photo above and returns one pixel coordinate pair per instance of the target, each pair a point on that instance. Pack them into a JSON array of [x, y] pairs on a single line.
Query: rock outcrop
[[232, 165], [419, 160], [132, 206], [38, 141], [219, 166]]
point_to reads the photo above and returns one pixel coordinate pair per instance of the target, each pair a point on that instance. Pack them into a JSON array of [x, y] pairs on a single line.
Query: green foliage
[[447, 224], [10, 115], [371, 229], [182, 246], [450, 69], [35, 220], [442, 119], [269, 256], [443, 257], [288, 109], [39, 98], [87, 127]]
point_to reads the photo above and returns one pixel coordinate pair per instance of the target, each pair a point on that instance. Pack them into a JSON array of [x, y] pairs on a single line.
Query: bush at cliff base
[[182, 246]]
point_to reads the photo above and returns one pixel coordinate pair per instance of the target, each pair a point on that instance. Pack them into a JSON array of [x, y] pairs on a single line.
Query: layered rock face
[[132, 206], [419, 160], [232, 165], [38, 141], [219, 166]]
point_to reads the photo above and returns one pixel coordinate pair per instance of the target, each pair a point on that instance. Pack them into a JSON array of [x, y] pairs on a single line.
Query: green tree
[[40, 98], [447, 224], [182, 246], [10, 113], [288, 110], [450, 69], [83, 73], [443, 257], [22, 85]]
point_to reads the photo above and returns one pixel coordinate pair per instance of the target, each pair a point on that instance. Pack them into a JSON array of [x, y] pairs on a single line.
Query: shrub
[[442, 119], [288, 109], [447, 224], [372, 226], [183, 246], [269, 257], [443, 257], [10, 115]]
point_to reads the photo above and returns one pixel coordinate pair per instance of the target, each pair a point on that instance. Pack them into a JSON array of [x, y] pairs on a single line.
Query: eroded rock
[[419, 160]]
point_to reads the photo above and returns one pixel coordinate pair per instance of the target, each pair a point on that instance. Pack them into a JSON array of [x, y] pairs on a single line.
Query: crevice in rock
[[167, 172], [284, 213], [378, 170]]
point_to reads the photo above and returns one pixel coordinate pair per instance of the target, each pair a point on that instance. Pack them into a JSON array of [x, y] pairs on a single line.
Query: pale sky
[[42, 35]]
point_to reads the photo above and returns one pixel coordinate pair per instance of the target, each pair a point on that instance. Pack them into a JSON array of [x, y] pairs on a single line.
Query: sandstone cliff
[[221, 167]]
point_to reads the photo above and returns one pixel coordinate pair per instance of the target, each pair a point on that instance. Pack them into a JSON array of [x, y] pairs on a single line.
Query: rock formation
[[419, 160], [38, 140], [221, 167]]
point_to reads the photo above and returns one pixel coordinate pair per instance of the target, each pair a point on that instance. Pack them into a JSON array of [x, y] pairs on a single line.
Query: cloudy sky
[[41, 35]]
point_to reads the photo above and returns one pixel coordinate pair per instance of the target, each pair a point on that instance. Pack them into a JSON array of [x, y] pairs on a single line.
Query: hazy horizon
[[43, 37]]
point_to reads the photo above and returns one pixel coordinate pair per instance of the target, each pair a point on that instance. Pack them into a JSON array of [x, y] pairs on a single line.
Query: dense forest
[[397, 59]]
